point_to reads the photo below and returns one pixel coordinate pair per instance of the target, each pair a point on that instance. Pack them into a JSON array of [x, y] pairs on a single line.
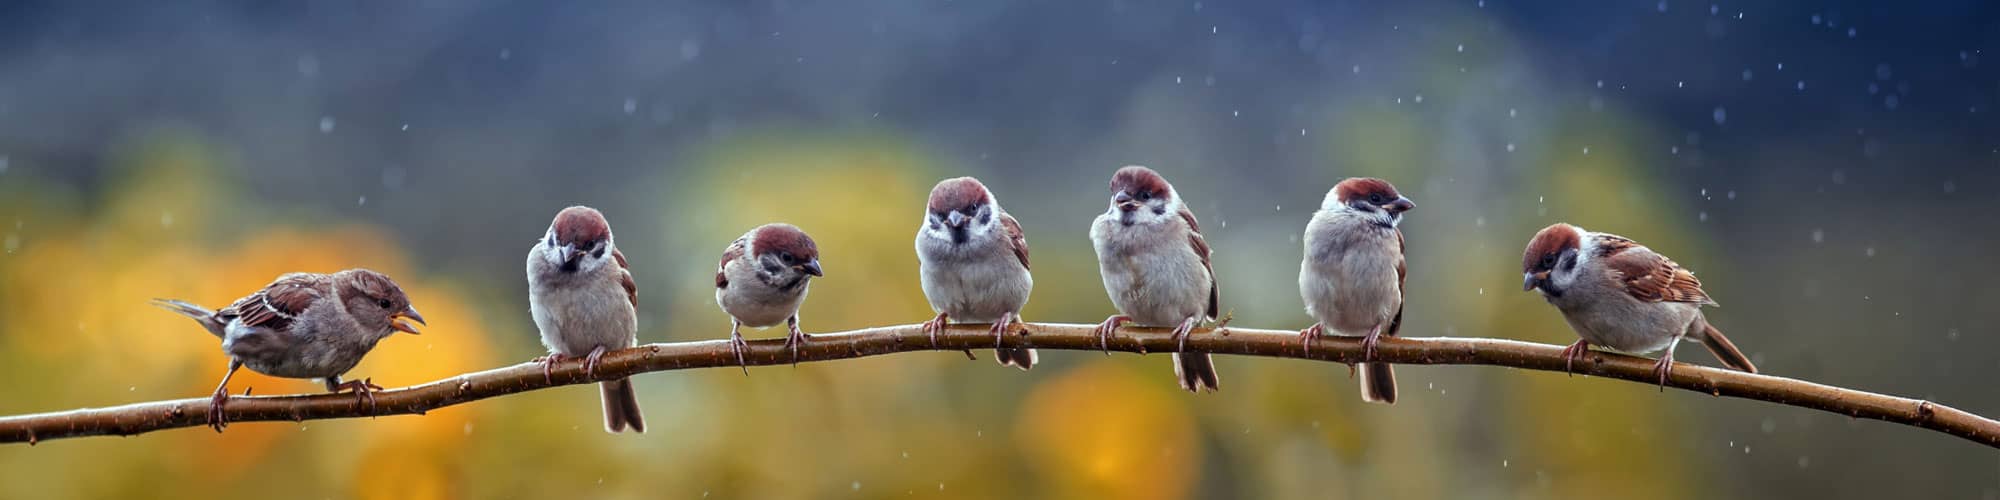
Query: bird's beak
[[956, 219], [1124, 202], [567, 252], [1400, 205], [1530, 280], [811, 267], [396, 323]]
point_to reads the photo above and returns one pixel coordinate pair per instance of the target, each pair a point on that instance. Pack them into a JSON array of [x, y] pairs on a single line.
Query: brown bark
[[140, 418]]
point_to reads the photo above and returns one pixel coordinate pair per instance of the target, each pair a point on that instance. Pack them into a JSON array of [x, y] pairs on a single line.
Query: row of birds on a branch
[[974, 265]]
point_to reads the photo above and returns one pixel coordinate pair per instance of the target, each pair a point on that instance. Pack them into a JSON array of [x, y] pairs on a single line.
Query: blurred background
[[1828, 168]]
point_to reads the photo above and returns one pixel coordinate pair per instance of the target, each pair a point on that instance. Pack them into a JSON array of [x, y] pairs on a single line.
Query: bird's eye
[[787, 258], [1549, 260], [383, 302], [1145, 195], [1375, 198]]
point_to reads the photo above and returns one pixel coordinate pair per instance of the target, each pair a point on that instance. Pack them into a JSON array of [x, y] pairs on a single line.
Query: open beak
[[956, 219], [396, 320], [1530, 280], [811, 267], [1124, 202], [567, 252], [1400, 205]]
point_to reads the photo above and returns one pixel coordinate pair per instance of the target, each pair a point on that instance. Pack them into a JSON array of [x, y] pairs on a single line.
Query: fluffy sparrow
[[584, 302], [762, 280], [1619, 294], [1352, 273], [305, 325], [1155, 267], [974, 263]]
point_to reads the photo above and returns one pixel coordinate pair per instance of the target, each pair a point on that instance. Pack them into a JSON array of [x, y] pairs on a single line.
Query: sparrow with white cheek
[[1352, 274], [305, 325], [1619, 294], [974, 263], [1156, 267], [585, 303], [762, 280]]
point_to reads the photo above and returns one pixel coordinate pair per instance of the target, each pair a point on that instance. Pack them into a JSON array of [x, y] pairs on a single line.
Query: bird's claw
[[216, 419], [1308, 335], [1572, 353], [934, 326]]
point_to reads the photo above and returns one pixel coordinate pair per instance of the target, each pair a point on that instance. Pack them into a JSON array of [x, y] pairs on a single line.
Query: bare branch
[[146, 417]]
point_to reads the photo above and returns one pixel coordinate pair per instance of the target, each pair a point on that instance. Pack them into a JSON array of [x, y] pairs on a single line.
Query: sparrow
[[973, 261], [1619, 294], [305, 325], [1352, 275], [582, 297], [762, 280], [1156, 267]]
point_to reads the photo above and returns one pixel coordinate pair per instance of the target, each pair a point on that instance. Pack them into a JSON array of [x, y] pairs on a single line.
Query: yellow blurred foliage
[[1102, 431]]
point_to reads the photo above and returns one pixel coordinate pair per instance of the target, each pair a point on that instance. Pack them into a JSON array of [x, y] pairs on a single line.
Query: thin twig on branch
[[140, 418]]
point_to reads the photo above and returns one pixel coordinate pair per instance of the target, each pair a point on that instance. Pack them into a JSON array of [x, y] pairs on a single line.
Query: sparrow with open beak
[[585, 303], [305, 325], [973, 261], [1156, 268]]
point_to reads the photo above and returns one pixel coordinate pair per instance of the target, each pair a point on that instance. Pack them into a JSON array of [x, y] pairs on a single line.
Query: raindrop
[[1732, 194], [1951, 334], [1510, 114], [1746, 74], [406, 126], [1420, 98], [1770, 425], [856, 486], [1869, 251], [1674, 149], [3, 164], [1781, 66], [1600, 84], [1819, 235], [1235, 113], [1891, 102], [631, 105], [1815, 19], [1482, 4], [1950, 187], [1873, 89], [1302, 132], [468, 428], [1586, 150], [166, 219], [1504, 463], [325, 124], [1357, 69], [1882, 71], [906, 454], [1703, 217], [1802, 85], [1461, 47], [1214, 29], [1713, 8], [1721, 115], [361, 202], [308, 65], [12, 243], [690, 50], [1510, 147], [1177, 80], [1662, 6], [1805, 462], [506, 54], [1839, 176], [1479, 221], [1680, 84], [1851, 32]]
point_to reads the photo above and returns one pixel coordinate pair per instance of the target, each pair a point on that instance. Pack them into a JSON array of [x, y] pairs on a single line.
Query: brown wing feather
[[278, 303], [1649, 276], [735, 251], [1015, 238], [1396, 324], [625, 278], [1201, 248]]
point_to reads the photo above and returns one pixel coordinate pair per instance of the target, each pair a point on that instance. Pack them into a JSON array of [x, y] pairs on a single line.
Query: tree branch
[[140, 418]]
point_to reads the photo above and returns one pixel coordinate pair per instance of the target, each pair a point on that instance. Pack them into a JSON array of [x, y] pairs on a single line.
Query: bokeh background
[[1827, 167]]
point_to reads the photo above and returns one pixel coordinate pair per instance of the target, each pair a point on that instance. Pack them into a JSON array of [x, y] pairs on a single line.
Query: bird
[[973, 262], [1619, 294], [305, 325], [581, 295], [1351, 277], [762, 280], [1155, 266]]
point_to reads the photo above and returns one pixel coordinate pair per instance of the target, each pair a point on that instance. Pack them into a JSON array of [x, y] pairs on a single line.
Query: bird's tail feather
[[1725, 350], [621, 407], [1018, 358], [199, 313], [1195, 371], [1378, 383]]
